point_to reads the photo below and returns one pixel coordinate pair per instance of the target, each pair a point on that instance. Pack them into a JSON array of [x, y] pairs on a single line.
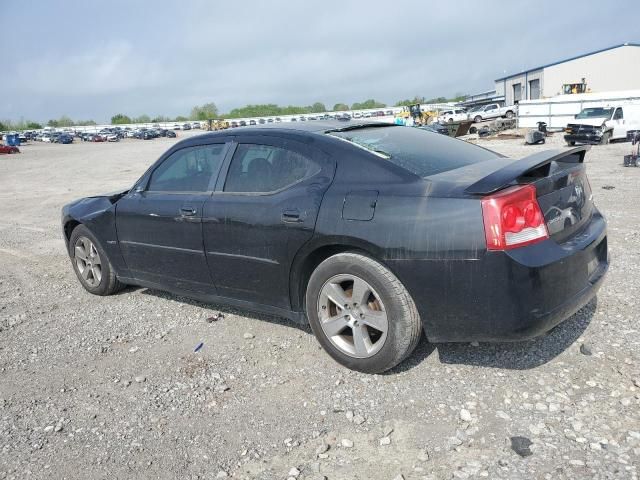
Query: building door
[[517, 92], [534, 89]]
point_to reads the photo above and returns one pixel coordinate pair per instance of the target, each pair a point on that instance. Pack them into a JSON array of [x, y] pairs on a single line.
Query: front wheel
[[90, 262], [361, 313], [509, 114], [478, 119], [606, 138]]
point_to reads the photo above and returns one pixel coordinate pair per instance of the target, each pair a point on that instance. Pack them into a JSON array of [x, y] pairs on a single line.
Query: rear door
[[264, 209], [159, 223]]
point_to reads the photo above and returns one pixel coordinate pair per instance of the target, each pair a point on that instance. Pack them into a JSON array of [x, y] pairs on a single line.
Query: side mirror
[[139, 189]]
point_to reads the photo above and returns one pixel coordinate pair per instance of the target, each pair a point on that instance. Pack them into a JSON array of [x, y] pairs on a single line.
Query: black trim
[[165, 247], [297, 317], [245, 257]]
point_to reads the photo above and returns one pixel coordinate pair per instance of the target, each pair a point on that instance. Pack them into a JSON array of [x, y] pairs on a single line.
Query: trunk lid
[[563, 191]]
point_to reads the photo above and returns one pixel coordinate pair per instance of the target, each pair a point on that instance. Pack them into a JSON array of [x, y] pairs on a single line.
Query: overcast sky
[[90, 60]]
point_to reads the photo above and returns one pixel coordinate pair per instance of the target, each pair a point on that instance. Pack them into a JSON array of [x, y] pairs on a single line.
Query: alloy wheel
[[88, 261], [352, 316]]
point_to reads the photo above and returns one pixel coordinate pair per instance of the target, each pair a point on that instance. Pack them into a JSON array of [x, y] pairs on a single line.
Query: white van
[[599, 125]]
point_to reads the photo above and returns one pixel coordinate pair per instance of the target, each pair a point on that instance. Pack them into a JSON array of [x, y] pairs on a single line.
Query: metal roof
[[569, 59]]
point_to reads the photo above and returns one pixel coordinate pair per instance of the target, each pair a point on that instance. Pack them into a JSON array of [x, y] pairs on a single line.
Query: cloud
[[115, 68], [84, 60]]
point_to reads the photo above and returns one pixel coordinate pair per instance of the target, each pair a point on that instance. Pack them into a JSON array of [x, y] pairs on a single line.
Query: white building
[[606, 70]]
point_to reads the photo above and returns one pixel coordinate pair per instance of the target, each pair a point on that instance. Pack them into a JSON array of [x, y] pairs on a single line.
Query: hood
[[594, 122]]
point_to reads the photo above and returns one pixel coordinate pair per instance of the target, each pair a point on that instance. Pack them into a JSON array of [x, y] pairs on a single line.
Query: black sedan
[[370, 232]]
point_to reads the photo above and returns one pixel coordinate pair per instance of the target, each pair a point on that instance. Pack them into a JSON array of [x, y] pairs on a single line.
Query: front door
[[262, 212], [619, 127], [159, 224]]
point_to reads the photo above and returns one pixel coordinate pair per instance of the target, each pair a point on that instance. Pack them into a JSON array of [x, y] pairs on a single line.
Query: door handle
[[187, 211], [291, 216]]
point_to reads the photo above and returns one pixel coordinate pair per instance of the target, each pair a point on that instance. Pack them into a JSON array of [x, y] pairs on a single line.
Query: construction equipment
[[216, 124], [573, 88], [415, 112]]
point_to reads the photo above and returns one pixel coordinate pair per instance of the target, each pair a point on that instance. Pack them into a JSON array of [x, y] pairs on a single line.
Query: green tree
[[3, 127], [142, 119], [340, 107], [120, 119], [317, 107], [204, 112], [32, 126], [407, 102], [370, 103], [181, 118], [160, 118], [85, 122]]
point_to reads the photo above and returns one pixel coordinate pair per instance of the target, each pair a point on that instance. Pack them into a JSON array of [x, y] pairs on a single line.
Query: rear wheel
[[91, 264], [478, 119], [361, 313]]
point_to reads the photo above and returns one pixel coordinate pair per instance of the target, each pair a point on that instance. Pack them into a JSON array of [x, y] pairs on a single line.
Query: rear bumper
[[508, 296], [588, 138]]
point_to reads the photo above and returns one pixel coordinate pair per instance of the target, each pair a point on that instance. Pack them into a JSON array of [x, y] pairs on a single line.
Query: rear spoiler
[[506, 175]]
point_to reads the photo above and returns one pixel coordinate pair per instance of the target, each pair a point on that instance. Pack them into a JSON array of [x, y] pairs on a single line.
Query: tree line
[[210, 110]]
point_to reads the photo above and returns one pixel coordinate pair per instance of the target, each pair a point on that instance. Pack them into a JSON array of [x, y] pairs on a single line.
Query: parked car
[[46, 138], [600, 125], [64, 138], [493, 110], [176, 127], [98, 138], [262, 121], [478, 263], [453, 115], [243, 123], [186, 126], [8, 149], [171, 134], [252, 122]]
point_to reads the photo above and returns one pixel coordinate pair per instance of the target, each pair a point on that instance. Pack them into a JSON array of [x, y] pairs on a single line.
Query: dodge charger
[[371, 233]]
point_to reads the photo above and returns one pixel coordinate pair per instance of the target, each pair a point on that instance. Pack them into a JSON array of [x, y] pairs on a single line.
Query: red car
[[99, 138], [8, 149]]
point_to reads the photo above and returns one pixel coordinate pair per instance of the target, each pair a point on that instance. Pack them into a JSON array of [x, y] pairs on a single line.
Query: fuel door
[[360, 205]]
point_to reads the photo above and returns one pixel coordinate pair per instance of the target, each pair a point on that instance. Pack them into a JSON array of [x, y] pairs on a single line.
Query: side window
[[188, 170], [618, 115], [491, 107], [264, 168]]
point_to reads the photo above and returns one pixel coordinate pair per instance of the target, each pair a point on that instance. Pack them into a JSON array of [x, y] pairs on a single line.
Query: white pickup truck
[[493, 110]]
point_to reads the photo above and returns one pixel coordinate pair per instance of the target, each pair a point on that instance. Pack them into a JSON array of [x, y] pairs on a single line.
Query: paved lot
[[95, 387]]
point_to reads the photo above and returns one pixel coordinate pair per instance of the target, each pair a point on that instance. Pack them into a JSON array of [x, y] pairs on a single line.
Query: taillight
[[512, 218]]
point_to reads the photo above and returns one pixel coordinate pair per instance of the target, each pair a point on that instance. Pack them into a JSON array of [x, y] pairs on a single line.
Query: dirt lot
[[94, 387]]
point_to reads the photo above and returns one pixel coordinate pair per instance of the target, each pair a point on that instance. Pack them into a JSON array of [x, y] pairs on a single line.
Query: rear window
[[419, 151]]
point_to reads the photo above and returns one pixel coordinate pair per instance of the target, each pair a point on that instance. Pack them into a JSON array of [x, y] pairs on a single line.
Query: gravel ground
[[94, 387]]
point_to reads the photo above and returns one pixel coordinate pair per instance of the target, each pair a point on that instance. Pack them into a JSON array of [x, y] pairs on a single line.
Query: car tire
[[91, 264], [509, 114], [477, 119], [372, 333], [571, 144], [606, 138], [450, 120]]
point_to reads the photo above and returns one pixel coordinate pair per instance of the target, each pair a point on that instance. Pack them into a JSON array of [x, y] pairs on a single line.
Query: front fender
[[98, 214]]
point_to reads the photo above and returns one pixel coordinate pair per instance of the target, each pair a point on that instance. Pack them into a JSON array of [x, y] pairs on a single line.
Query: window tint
[[618, 115], [264, 168], [188, 170], [418, 151]]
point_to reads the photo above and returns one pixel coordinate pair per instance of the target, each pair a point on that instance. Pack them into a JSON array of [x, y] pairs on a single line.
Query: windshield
[[595, 113], [421, 152]]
